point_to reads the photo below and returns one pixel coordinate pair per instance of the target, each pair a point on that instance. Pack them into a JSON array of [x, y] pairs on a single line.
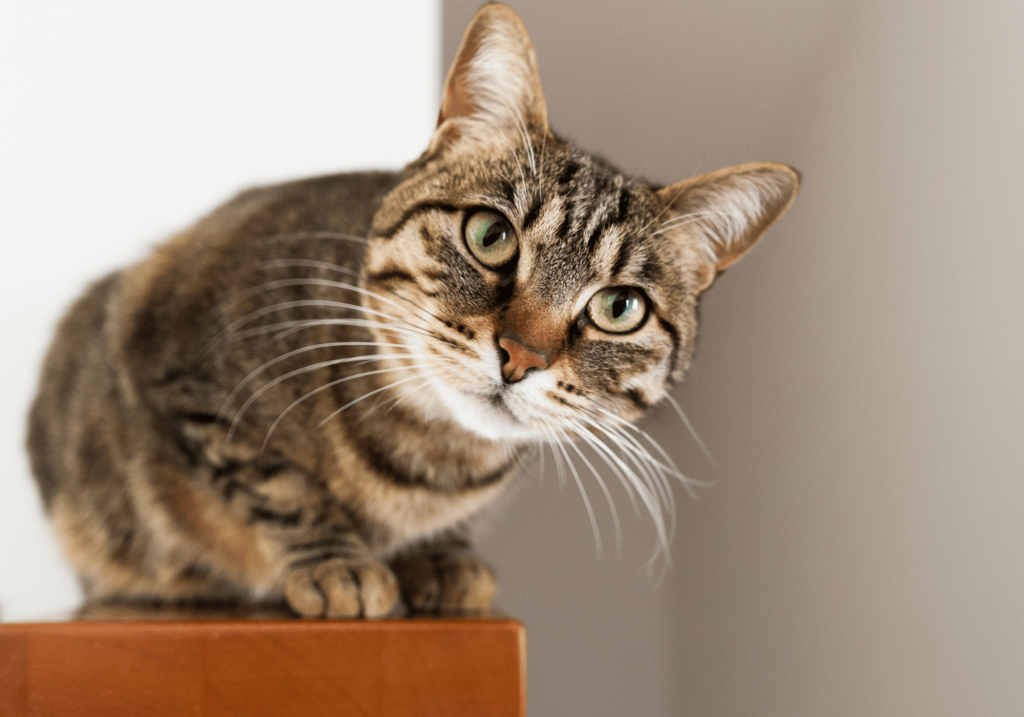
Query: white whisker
[[384, 328], [540, 460], [559, 467], [326, 386], [307, 369], [583, 491], [333, 344], [607, 493], [375, 392], [328, 266], [648, 489], [312, 281], [428, 382], [612, 460], [319, 235], [692, 430], [306, 264]]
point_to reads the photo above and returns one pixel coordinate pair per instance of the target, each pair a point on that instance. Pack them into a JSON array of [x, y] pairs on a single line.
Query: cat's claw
[[340, 588], [454, 583]]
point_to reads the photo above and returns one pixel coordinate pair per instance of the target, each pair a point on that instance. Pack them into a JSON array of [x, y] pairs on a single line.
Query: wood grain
[[215, 668]]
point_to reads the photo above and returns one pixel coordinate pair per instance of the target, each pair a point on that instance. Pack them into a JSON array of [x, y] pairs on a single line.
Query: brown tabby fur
[[151, 435]]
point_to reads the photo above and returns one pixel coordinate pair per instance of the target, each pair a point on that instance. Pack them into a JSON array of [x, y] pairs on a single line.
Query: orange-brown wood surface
[[214, 668]]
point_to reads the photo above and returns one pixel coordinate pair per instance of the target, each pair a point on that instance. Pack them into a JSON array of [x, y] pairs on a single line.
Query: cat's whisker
[[326, 386], [653, 471], [328, 266], [318, 234], [375, 392], [307, 369], [304, 264], [300, 324], [549, 441], [313, 281], [559, 466], [393, 400], [428, 382], [648, 487], [540, 460], [383, 328], [604, 488], [669, 467], [281, 326], [283, 283], [693, 432], [591, 438], [579, 483], [333, 344], [284, 306]]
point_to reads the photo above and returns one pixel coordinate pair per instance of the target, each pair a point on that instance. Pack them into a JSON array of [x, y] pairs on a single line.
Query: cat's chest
[[408, 514], [399, 507]]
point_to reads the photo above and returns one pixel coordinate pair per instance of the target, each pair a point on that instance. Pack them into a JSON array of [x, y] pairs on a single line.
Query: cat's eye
[[618, 310], [491, 239]]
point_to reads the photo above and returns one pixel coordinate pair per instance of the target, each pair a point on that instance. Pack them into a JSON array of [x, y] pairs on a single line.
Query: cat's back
[[152, 322], [171, 304]]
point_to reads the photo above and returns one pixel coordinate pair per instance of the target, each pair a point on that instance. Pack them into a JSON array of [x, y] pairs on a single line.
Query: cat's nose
[[519, 359]]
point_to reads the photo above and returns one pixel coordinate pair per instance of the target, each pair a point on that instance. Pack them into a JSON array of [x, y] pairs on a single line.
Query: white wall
[[123, 121]]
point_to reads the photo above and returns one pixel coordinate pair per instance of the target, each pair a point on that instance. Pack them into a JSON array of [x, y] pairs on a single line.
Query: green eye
[[618, 310], [491, 239]]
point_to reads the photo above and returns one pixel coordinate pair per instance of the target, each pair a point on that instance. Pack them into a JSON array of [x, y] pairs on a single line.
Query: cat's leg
[[444, 576], [313, 551]]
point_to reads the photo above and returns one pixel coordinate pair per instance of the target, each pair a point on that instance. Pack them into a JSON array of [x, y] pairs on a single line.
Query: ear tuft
[[727, 211], [493, 84]]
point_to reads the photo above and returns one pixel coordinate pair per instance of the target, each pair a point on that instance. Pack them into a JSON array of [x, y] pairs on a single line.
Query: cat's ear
[[727, 211], [493, 86]]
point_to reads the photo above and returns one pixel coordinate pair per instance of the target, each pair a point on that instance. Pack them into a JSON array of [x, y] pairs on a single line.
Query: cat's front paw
[[342, 588], [449, 583]]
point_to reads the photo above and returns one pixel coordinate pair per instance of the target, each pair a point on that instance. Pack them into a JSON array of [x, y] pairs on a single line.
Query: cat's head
[[556, 292]]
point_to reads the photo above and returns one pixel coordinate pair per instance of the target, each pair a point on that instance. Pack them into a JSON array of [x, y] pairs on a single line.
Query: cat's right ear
[[493, 87], [724, 213]]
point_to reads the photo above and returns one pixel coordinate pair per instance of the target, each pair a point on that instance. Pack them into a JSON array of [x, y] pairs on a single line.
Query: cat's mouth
[[487, 413], [497, 401]]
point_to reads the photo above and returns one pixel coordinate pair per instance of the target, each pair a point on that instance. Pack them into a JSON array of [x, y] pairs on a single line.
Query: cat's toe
[[454, 583], [340, 588], [468, 584]]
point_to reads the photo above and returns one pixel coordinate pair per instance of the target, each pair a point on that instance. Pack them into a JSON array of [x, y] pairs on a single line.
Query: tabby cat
[[307, 395]]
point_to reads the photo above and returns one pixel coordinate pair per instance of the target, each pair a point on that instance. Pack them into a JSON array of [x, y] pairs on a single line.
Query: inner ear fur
[[493, 85], [727, 211]]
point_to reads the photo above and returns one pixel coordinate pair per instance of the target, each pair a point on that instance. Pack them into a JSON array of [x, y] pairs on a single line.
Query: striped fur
[[302, 397]]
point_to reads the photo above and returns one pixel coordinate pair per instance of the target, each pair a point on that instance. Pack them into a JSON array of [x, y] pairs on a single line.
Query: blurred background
[[859, 377]]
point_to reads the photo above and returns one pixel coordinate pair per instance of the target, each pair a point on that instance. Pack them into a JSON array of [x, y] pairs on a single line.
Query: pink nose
[[520, 359]]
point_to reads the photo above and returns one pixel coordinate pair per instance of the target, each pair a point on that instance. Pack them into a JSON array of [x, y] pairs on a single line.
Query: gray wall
[[859, 376]]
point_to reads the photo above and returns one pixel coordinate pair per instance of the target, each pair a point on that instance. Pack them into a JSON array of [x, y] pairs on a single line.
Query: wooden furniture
[[217, 666]]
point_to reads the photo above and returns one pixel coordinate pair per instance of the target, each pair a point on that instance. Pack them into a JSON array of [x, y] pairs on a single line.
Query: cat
[[305, 397]]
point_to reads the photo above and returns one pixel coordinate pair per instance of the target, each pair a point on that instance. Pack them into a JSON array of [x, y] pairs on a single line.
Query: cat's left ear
[[727, 211], [493, 85]]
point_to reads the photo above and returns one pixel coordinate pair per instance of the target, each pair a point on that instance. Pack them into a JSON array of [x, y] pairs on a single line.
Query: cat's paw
[[452, 583], [342, 588]]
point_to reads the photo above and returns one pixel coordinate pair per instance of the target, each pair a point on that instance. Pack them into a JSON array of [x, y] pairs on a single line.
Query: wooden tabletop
[[122, 663]]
